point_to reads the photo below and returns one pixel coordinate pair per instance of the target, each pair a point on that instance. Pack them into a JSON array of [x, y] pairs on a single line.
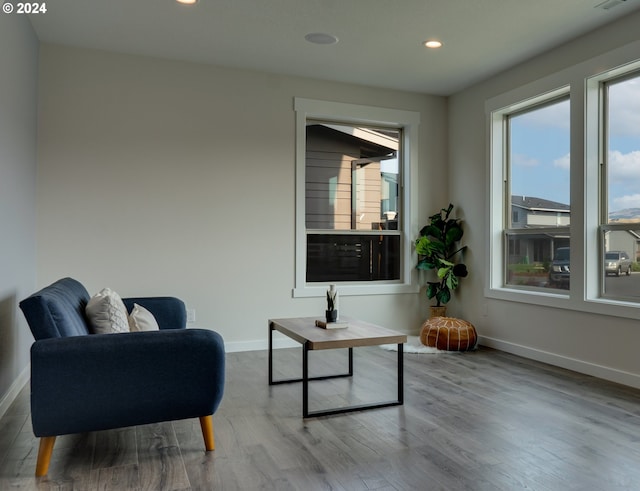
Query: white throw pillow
[[106, 313], [141, 319]]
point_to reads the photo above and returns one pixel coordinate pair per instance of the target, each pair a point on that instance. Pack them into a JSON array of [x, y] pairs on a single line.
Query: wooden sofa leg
[[206, 423], [44, 455]]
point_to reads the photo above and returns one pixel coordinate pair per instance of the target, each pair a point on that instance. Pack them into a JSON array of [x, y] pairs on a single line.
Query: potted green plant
[[437, 249]]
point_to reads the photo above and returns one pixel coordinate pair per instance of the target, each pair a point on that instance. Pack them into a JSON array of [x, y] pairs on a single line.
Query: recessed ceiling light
[[432, 43], [321, 38], [187, 2]]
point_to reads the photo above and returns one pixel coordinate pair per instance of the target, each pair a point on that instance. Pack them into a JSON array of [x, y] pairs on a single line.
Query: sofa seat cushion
[[106, 313]]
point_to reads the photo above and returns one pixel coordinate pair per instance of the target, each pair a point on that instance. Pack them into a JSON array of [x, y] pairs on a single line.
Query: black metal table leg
[[305, 380], [350, 362], [400, 373], [320, 377], [374, 405], [270, 353]]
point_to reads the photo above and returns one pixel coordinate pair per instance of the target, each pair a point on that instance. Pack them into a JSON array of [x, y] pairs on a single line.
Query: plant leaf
[[460, 270], [454, 233], [444, 295], [432, 231], [432, 289], [452, 281], [422, 246]]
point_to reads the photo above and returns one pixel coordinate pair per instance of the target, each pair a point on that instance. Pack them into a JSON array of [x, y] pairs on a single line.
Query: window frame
[[500, 188], [408, 122], [507, 114], [599, 85]]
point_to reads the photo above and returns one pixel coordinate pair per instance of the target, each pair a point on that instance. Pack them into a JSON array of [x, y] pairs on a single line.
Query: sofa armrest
[[170, 312], [98, 382]]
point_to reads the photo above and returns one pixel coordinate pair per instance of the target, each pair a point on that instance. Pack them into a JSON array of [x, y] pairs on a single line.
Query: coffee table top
[[359, 333]]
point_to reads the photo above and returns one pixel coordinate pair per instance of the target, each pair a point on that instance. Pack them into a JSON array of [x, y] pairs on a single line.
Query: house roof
[[532, 203], [373, 145]]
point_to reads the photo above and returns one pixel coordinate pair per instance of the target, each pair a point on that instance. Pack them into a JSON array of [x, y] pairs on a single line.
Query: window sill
[[600, 306], [350, 290]]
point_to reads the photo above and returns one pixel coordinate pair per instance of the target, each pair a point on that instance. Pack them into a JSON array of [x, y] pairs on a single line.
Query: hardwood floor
[[484, 420]]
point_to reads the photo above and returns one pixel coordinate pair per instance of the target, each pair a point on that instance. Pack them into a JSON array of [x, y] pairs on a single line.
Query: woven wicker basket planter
[[448, 333]]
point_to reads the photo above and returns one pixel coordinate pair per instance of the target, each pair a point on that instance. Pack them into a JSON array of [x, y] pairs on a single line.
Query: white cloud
[[628, 201], [624, 167], [563, 162], [521, 160], [624, 108]]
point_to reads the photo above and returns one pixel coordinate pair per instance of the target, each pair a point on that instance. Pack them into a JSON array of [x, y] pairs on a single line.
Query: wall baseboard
[[17, 385], [599, 371]]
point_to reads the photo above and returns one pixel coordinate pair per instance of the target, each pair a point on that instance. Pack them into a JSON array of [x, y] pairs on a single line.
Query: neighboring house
[[529, 212], [345, 188], [346, 191], [532, 212]]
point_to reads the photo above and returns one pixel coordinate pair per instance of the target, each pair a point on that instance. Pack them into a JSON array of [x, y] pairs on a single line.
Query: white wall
[[18, 120], [605, 346], [162, 177]]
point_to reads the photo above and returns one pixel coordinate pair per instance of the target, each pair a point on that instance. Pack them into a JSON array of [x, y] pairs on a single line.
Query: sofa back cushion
[[57, 310]]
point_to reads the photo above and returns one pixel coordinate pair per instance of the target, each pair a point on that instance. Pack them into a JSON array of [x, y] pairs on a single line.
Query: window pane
[[540, 260], [539, 143], [351, 178], [539, 167], [353, 257], [623, 151], [622, 162], [619, 261]]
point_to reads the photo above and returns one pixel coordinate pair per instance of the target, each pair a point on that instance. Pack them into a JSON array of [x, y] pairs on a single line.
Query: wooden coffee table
[[359, 333]]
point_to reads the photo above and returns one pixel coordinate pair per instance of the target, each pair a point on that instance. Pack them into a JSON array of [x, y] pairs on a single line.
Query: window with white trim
[[620, 186], [604, 178], [353, 209], [537, 210]]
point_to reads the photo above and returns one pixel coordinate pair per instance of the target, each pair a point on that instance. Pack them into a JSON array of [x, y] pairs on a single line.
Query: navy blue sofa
[[88, 382]]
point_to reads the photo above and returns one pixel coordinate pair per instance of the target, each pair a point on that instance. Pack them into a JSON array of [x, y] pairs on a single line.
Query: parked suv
[[617, 262], [559, 269]]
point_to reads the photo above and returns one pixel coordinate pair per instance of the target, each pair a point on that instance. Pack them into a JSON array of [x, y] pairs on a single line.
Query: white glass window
[[352, 204], [571, 140], [537, 195], [352, 198], [620, 230]]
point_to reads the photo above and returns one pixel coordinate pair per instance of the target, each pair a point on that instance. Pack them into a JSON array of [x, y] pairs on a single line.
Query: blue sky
[[540, 150]]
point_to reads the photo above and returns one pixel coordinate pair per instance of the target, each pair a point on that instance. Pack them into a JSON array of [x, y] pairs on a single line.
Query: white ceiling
[[380, 40]]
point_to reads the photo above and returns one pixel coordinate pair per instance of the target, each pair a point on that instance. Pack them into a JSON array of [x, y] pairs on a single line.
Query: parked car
[[559, 269], [617, 262]]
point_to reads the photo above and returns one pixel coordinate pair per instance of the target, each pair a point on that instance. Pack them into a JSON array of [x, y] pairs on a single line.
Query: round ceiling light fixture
[[321, 38], [187, 2], [432, 43]]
